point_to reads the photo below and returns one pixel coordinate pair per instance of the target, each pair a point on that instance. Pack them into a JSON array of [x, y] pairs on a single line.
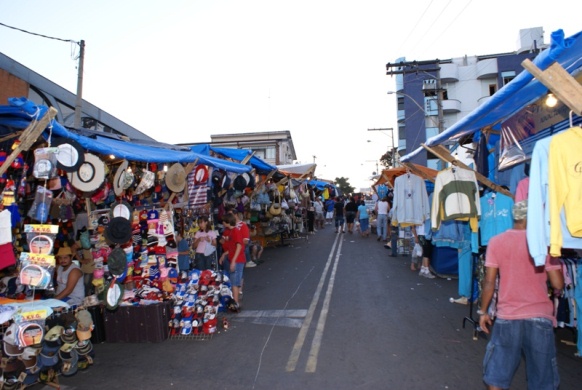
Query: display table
[[138, 324]]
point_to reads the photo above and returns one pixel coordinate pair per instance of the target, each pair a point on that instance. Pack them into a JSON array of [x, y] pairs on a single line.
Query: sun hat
[[176, 178], [10, 342], [84, 325], [122, 209], [118, 230], [114, 295], [64, 251], [119, 178], [29, 357], [84, 347], [117, 262], [147, 181], [69, 358], [200, 174], [70, 155], [54, 335], [90, 174]]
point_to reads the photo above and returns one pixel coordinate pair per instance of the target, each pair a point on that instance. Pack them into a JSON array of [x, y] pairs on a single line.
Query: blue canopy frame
[[21, 112], [517, 94]]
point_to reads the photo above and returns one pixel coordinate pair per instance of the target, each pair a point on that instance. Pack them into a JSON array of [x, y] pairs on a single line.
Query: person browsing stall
[[525, 315], [233, 257], [69, 277]]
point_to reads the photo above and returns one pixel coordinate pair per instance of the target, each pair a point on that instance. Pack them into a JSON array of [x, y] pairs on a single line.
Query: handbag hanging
[[275, 208]]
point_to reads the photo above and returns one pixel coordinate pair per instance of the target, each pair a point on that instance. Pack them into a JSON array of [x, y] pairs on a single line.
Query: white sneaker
[[250, 264], [426, 273]]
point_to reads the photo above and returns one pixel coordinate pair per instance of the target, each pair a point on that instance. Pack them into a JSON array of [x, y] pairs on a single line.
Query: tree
[[344, 186]]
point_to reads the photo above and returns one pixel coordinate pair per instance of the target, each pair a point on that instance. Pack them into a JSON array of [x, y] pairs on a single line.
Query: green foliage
[[344, 186]]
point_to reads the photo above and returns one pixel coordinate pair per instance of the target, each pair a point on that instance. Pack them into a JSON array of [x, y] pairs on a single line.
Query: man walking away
[[525, 315]]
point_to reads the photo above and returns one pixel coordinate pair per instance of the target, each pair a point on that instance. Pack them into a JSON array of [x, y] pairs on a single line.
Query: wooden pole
[[444, 154]]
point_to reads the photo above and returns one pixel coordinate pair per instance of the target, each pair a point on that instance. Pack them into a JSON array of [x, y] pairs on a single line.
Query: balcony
[[449, 73], [487, 68], [451, 106]]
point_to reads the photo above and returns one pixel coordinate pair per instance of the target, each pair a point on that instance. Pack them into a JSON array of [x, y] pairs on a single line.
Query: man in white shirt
[[382, 208]]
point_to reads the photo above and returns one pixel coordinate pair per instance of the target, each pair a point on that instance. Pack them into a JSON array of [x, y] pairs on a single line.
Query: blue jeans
[[534, 338], [382, 226]]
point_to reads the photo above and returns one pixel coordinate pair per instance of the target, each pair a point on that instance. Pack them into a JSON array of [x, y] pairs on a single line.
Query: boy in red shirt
[[233, 256]]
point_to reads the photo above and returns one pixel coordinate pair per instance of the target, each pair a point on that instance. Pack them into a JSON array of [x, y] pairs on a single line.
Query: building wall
[[470, 90], [11, 86]]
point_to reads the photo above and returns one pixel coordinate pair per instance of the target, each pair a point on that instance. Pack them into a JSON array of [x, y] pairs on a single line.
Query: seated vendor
[[69, 278]]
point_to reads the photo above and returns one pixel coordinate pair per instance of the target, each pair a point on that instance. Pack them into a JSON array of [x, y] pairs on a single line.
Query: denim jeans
[[382, 226], [534, 337]]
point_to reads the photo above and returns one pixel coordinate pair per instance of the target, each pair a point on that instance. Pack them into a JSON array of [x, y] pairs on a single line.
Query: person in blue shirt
[[364, 218]]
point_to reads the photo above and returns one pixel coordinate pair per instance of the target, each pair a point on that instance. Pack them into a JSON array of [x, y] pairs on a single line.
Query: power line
[[39, 35]]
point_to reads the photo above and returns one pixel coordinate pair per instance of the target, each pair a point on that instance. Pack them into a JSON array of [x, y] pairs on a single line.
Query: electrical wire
[[38, 35], [415, 26], [450, 24]]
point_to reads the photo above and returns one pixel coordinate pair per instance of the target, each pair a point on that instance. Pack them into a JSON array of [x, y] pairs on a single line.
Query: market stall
[[119, 208], [518, 139]]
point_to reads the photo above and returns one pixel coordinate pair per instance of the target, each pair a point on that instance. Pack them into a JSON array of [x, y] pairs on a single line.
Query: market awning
[[520, 92], [387, 176], [297, 171], [21, 112]]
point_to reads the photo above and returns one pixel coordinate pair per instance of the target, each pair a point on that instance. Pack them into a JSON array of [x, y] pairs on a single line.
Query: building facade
[[16, 80], [435, 94], [273, 147]]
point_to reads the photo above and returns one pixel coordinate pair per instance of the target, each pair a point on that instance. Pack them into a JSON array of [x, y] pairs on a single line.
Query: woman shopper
[[364, 218], [204, 237]]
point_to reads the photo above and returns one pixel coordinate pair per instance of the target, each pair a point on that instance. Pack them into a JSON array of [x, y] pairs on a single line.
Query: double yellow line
[[332, 262]]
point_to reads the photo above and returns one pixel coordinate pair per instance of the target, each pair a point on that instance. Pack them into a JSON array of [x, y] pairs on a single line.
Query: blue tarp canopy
[[20, 113], [517, 94], [236, 154]]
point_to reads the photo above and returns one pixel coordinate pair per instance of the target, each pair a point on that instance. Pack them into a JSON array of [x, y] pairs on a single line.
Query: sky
[[181, 70]]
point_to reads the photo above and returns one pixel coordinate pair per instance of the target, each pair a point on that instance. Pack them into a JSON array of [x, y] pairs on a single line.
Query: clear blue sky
[[182, 70]]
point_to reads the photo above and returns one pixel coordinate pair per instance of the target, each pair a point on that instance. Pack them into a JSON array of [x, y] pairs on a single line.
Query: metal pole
[[79, 100]]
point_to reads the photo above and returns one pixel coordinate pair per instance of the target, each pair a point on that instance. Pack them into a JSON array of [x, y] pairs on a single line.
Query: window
[[270, 153], [492, 89], [507, 76], [431, 132]]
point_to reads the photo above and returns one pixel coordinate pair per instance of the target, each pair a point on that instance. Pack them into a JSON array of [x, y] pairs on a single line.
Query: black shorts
[[350, 216], [426, 247]]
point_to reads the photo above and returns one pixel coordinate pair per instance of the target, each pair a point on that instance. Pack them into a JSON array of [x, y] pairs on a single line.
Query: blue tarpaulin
[[517, 94], [20, 113], [236, 154]]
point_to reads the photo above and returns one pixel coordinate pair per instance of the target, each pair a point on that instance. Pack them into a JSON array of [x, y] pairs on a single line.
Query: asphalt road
[[332, 312]]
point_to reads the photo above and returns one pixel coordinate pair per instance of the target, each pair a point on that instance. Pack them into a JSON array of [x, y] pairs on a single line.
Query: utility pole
[[409, 67], [79, 100]]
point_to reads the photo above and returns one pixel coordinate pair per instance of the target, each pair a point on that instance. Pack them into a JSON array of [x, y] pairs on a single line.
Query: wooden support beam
[[29, 137], [247, 158], [444, 154], [560, 82], [262, 182], [417, 171]]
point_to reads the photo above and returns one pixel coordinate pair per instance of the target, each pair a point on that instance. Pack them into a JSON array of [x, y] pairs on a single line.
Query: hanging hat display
[[176, 178], [118, 230], [147, 182], [70, 155], [201, 174], [119, 178], [122, 209], [90, 175]]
